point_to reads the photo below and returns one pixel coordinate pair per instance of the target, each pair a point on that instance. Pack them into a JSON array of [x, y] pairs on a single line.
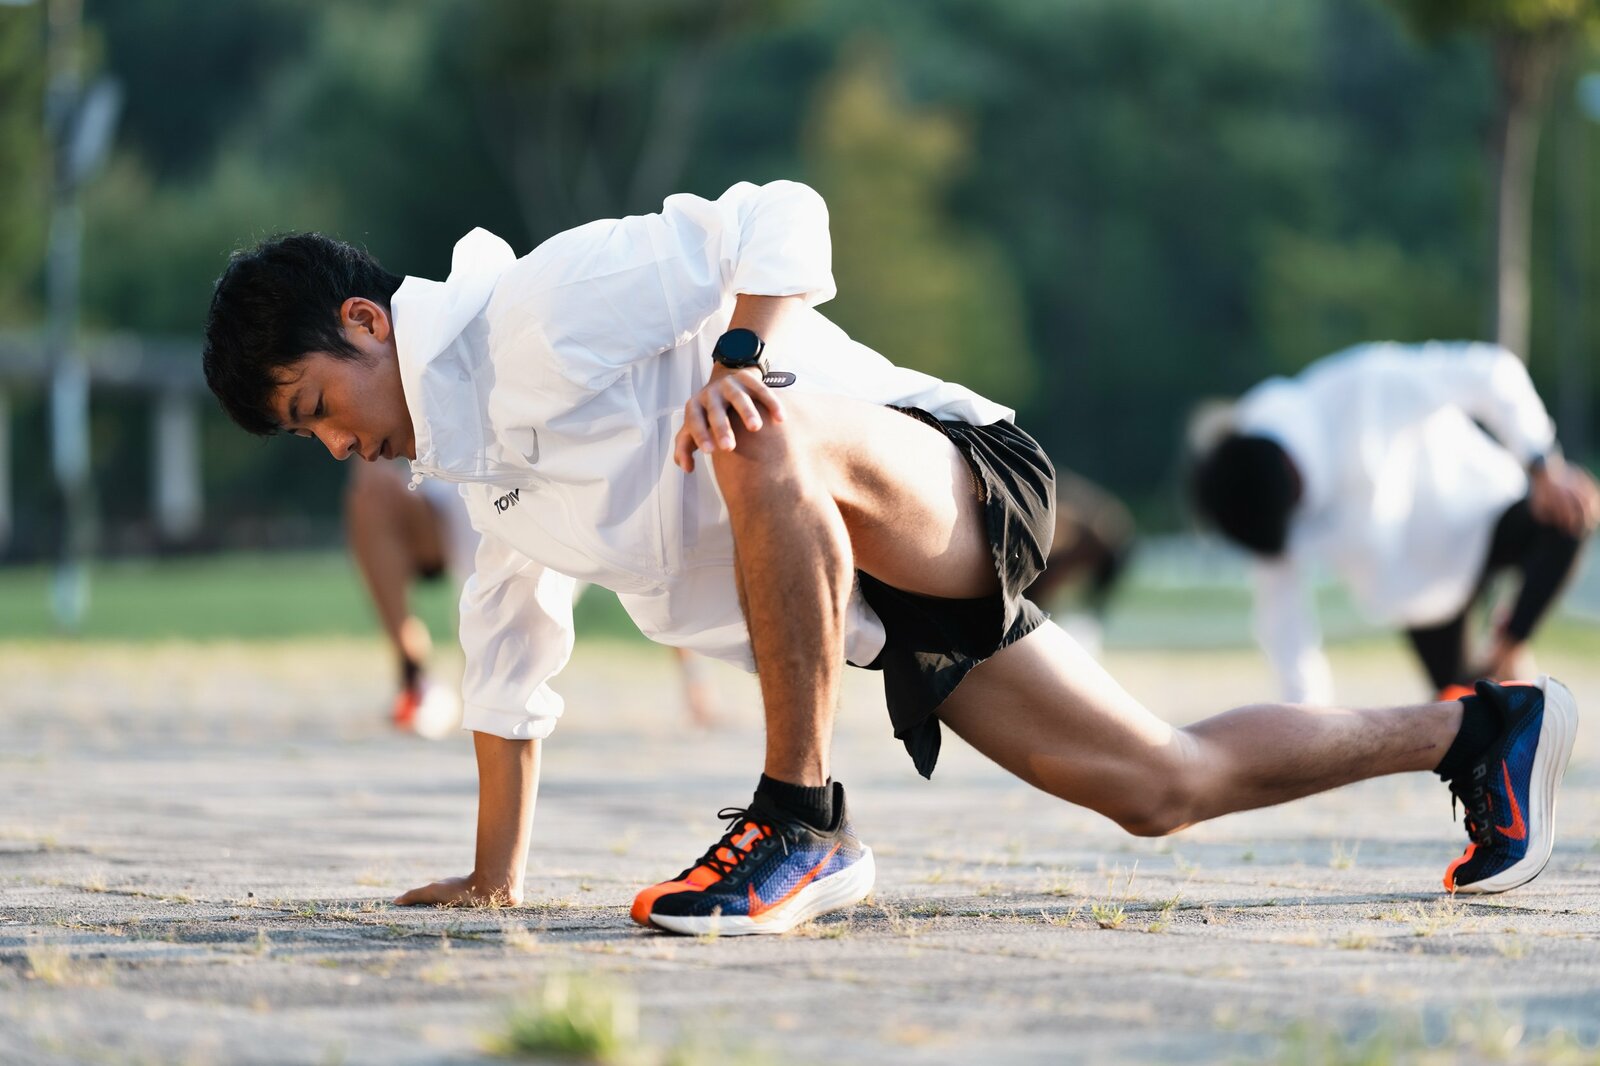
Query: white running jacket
[[551, 388], [1402, 489]]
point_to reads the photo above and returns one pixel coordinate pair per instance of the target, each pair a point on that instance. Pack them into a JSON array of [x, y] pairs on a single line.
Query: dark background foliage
[[1097, 211]]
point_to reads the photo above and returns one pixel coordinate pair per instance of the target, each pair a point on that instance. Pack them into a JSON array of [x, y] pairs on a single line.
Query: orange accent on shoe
[[1518, 829], [758, 908], [1451, 693], [405, 708], [647, 898], [1450, 872], [697, 879]]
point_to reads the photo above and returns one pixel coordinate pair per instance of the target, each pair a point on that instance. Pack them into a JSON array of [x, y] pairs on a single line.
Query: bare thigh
[[1046, 711], [905, 492]]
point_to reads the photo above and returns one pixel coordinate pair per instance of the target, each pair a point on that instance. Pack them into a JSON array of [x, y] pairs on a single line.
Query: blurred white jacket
[[551, 387], [1401, 488]]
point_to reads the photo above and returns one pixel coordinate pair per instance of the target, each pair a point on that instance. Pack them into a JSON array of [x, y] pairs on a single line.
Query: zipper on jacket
[[520, 480]]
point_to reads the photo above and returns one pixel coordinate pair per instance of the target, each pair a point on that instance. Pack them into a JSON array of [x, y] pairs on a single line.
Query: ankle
[[812, 804], [410, 674], [1480, 724]]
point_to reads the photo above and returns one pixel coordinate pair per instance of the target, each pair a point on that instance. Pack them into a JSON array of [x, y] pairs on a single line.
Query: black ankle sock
[[1480, 724], [806, 803], [410, 673]]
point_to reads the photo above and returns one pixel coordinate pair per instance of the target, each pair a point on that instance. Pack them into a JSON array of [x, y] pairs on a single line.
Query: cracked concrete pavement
[[198, 844]]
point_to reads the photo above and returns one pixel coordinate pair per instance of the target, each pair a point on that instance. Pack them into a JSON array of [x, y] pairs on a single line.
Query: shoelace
[[740, 822], [1477, 834]]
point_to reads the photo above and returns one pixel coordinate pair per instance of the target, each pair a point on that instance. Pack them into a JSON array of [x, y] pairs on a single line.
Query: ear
[[360, 313]]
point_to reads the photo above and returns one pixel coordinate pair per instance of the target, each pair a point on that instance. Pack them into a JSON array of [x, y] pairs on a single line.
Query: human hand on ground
[[461, 892], [1564, 496], [705, 417]]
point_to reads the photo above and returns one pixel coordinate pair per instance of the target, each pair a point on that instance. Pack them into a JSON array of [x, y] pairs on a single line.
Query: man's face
[[353, 406]]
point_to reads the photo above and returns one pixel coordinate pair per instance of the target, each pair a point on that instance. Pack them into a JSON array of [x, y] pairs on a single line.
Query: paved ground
[[197, 847]]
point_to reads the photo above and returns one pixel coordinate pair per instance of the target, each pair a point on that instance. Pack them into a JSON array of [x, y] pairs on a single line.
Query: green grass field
[[298, 595], [241, 597]]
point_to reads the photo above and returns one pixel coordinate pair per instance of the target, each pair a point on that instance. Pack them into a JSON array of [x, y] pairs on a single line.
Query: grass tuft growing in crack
[[571, 1017]]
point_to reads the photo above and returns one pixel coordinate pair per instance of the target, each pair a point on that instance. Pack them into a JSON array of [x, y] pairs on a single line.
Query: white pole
[[69, 384], [177, 465], [5, 471]]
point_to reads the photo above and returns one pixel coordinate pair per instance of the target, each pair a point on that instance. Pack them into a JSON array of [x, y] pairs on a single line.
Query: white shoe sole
[[822, 896], [1556, 735]]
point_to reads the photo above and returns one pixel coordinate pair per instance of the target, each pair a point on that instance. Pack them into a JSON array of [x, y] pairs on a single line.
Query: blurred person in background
[[1418, 474], [398, 537], [610, 405], [1093, 540]]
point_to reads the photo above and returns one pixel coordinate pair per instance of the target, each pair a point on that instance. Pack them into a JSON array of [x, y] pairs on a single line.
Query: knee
[[1145, 804], [771, 459], [1163, 799], [1159, 811]]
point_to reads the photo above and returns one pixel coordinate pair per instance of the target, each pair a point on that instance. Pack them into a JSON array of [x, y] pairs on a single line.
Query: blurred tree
[[191, 73], [1151, 170], [1319, 294], [593, 107], [913, 282], [358, 130], [23, 161], [1529, 40], [1187, 196], [1392, 252], [1132, 155]]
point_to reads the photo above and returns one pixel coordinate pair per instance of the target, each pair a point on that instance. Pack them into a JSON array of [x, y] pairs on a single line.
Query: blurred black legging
[[1545, 556]]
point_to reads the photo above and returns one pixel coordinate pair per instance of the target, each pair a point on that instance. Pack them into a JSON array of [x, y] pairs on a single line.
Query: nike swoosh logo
[[1517, 830], [758, 907]]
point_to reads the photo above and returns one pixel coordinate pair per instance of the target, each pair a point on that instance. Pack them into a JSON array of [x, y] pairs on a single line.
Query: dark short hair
[[1247, 487], [272, 307]]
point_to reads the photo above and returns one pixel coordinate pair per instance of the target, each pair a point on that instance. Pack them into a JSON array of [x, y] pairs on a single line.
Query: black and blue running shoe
[[766, 875], [1510, 792]]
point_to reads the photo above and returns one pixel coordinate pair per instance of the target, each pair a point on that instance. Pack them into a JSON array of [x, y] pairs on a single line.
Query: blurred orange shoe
[[428, 709], [405, 708]]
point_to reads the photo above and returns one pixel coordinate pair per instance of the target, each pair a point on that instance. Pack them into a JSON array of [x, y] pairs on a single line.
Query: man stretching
[[1373, 462], [654, 404]]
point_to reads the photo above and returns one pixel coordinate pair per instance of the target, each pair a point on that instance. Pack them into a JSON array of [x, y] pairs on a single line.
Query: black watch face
[[739, 347]]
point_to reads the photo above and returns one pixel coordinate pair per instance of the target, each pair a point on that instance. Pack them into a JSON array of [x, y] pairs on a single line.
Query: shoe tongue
[[740, 840], [1506, 699], [746, 834], [763, 808]]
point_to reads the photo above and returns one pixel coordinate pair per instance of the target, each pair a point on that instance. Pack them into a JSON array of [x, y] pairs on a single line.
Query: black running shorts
[[933, 643]]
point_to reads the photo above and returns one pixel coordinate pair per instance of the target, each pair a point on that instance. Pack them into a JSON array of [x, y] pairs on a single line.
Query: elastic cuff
[[509, 725]]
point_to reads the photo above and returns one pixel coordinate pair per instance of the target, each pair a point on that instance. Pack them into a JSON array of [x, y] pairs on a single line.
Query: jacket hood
[[433, 326]]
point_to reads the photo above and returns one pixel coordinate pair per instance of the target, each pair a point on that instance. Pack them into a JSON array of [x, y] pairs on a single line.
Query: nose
[[339, 445]]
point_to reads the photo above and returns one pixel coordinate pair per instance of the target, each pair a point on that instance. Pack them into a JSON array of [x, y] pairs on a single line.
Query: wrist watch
[[1543, 459], [739, 348]]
